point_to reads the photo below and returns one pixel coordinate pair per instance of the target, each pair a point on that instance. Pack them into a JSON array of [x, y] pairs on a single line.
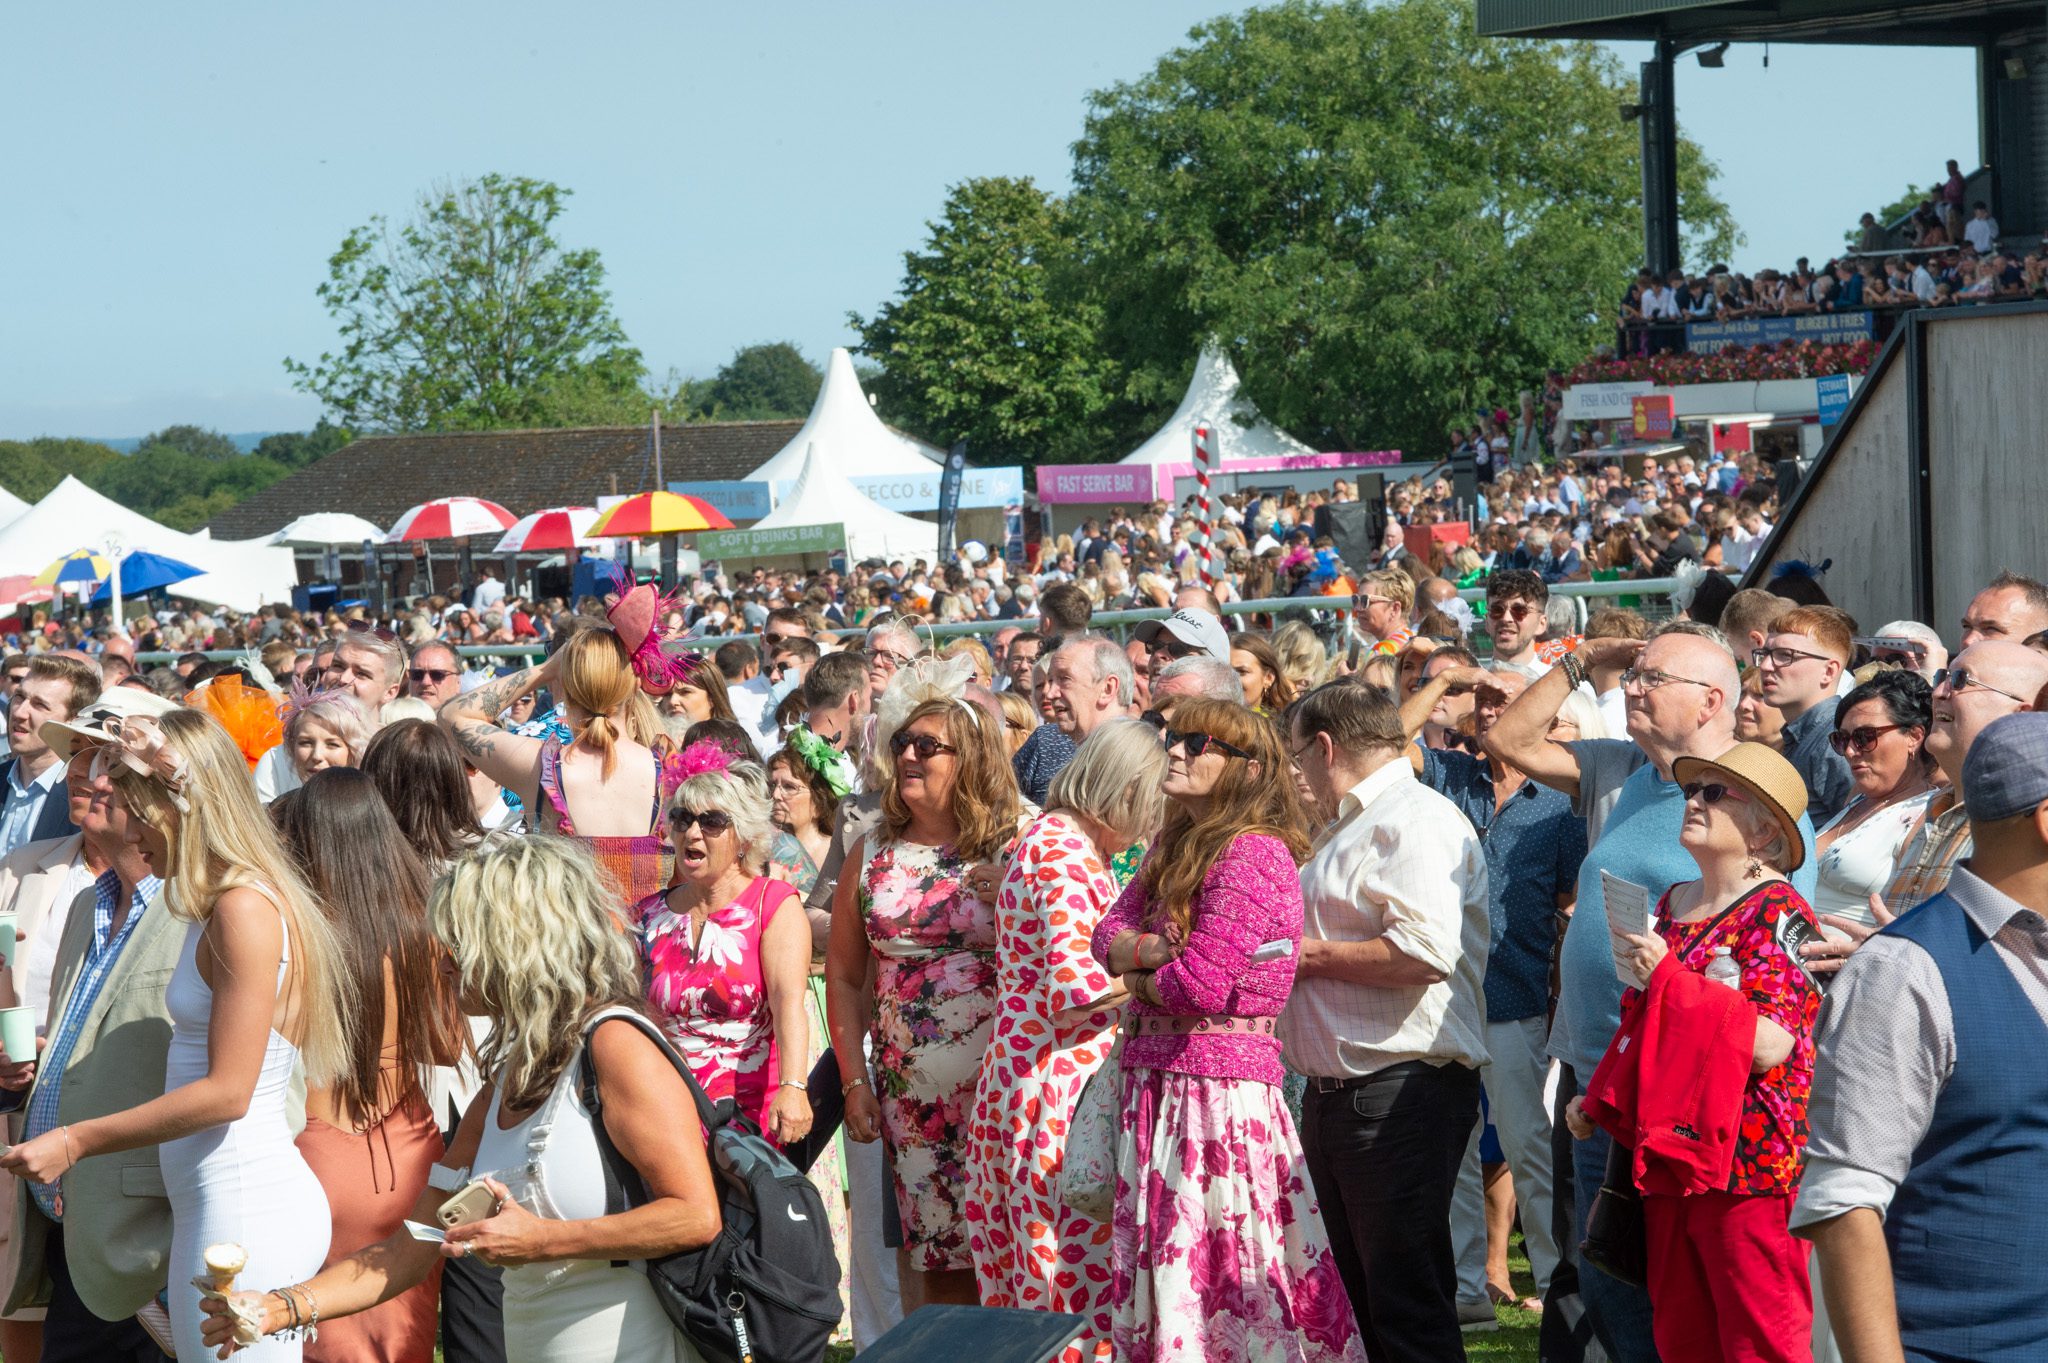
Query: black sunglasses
[[1172, 647], [712, 821], [436, 675], [365, 627], [1198, 743], [927, 746], [1154, 718], [1846, 741], [1709, 792]]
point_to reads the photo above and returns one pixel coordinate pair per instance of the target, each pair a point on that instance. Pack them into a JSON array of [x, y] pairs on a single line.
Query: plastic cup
[[18, 1033], [7, 942]]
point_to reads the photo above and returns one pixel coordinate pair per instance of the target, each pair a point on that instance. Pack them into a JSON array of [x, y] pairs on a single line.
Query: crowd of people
[[1237, 992]]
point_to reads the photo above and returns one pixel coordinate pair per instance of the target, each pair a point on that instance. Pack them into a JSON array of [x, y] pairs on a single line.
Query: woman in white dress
[[252, 997], [528, 925], [1881, 728]]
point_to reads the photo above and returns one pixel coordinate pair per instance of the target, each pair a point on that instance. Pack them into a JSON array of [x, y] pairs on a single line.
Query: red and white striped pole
[[1205, 455]]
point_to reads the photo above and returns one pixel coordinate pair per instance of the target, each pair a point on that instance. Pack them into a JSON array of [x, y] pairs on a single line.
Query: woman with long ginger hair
[[370, 1136], [255, 994], [1217, 1247], [949, 804]]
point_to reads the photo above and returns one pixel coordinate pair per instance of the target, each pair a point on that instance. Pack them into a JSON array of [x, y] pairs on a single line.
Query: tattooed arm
[[510, 760]]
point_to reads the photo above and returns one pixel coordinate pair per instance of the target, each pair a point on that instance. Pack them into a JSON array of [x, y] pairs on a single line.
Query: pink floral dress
[[935, 975], [711, 998], [1030, 1249]]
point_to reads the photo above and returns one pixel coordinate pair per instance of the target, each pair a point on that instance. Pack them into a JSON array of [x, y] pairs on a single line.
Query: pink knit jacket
[[1252, 895]]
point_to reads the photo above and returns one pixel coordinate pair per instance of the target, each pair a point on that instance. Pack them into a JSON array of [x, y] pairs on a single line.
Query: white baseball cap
[[1196, 628], [94, 724]]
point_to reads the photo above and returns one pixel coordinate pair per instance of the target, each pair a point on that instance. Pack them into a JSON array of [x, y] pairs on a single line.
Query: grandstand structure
[[2010, 38]]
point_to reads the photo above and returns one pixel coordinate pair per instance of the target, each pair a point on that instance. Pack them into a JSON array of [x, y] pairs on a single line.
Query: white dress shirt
[[1402, 863]]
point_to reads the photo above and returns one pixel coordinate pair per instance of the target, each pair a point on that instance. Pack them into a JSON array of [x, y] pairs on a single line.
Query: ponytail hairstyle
[[597, 677]]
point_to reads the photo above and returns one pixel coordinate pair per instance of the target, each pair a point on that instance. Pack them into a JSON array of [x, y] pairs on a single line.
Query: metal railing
[[1653, 599]]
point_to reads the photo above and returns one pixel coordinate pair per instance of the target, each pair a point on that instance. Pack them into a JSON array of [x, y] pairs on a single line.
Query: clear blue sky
[[179, 174]]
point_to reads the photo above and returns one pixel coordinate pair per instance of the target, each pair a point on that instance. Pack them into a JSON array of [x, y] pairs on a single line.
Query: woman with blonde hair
[[1019, 719], [905, 915], [1303, 659], [256, 993], [602, 787], [528, 926], [325, 729], [728, 948], [1056, 1017]]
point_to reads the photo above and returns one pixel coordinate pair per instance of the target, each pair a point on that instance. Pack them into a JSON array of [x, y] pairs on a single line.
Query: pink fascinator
[[141, 747], [706, 754], [636, 616]]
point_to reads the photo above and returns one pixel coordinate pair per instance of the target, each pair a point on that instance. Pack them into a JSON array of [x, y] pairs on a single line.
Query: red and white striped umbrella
[[447, 518], [558, 527]]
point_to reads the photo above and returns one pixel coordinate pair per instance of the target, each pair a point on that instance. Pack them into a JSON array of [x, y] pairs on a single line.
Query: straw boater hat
[[1765, 777]]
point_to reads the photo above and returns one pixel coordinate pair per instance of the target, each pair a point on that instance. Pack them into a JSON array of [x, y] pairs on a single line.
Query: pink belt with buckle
[[1153, 1024]]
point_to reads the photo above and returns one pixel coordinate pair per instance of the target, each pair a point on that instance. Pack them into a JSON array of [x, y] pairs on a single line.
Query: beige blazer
[[30, 878], [117, 1216]]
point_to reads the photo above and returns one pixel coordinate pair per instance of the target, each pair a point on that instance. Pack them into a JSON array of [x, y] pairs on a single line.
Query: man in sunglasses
[[1922, 1192], [1680, 691], [435, 674], [1515, 599], [1184, 634], [1801, 661], [1984, 684]]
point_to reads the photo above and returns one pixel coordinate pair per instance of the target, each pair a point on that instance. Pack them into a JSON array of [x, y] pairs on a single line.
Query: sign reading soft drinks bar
[[759, 543], [1822, 328]]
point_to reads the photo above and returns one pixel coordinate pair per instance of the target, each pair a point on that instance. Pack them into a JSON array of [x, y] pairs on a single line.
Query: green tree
[[1386, 219], [1895, 210], [986, 339], [196, 441], [770, 382], [465, 317], [30, 468], [298, 449]]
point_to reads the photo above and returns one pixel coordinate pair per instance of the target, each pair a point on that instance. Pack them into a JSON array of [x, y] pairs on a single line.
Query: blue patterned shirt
[[100, 958], [1534, 844], [23, 805]]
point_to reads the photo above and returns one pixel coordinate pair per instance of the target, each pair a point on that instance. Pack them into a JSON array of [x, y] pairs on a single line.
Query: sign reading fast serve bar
[[758, 543]]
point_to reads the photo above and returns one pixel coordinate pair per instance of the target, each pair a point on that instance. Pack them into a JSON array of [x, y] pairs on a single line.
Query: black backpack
[[767, 1289]]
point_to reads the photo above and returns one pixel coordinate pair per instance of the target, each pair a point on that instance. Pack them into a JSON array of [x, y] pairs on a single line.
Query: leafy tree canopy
[[467, 317], [986, 338], [297, 449], [770, 382], [31, 468], [195, 441], [1385, 218]]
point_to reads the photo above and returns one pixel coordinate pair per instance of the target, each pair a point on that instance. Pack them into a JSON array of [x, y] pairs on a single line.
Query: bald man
[[1680, 691]]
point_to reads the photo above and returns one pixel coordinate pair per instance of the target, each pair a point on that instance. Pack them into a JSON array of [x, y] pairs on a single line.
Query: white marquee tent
[[11, 506], [842, 422], [1212, 396], [240, 574], [823, 496]]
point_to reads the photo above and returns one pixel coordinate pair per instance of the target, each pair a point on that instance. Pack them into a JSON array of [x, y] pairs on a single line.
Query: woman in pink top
[[1217, 1247]]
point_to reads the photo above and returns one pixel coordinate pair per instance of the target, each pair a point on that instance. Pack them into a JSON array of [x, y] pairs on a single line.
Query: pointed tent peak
[[824, 496], [842, 421], [1212, 395]]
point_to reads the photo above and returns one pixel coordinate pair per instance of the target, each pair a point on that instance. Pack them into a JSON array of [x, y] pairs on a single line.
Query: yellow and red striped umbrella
[[657, 513]]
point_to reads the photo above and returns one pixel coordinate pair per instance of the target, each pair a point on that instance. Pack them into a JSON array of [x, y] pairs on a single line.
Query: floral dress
[[1030, 1249], [711, 998], [1770, 1148], [935, 975]]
